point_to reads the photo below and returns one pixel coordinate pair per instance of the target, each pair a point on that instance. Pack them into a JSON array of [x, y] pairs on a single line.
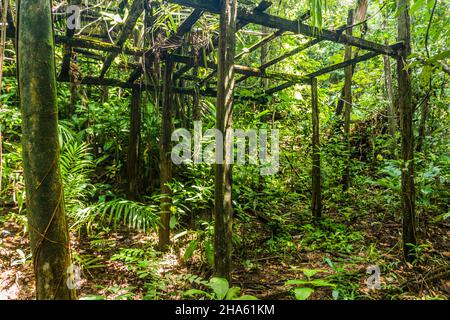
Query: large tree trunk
[[406, 113], [223, 210], [165, 159], [348, 105], [45, 202]]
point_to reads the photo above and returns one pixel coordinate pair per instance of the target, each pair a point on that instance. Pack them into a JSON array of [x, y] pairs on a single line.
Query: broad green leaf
[[173, 222], [311, 272], [193, 292], [220, 287], [321, 283], [190, 250], [303, 293], [233, 293]]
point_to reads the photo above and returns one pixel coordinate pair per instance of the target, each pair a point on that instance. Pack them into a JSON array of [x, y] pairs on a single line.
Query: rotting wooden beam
[[284, 56], [135, 12], [246, 51], [91, 43], [249, 71], [331, 68], [262, 6], [259, 44], [95, 81], [184, 28], [295, 26]]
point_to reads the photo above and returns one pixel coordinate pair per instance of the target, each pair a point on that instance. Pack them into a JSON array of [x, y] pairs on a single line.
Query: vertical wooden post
[[406, 113], [165, 159], [316, 188], [133, 145], [223, 211], [348, 104]]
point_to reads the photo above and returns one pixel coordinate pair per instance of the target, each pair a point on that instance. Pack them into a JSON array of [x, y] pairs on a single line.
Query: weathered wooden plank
[[295, 26], [284, 56]]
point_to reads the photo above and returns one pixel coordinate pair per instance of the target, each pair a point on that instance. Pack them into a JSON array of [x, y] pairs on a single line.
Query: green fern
[[135, 215], [76, 166]]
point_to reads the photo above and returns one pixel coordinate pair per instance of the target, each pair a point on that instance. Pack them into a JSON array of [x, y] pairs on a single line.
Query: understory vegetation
[[280, 251]]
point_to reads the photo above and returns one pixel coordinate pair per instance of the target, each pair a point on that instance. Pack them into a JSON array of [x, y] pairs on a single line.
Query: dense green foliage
[[272, 213]]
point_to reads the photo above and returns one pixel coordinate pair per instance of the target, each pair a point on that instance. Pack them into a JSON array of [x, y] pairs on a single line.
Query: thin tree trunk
[[165, 159], [4, 8], [223, 210], [316, 187], [348, 105], [49, 236], [133, 145], [406, 113], [422, 126], [264, 57], [392, 114]]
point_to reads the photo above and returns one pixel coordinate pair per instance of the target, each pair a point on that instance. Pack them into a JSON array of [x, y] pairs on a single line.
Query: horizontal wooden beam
[[329, 69], [284, 56], [295, 26], [247, 51], [96, 81], [91, 43], [250, 71]]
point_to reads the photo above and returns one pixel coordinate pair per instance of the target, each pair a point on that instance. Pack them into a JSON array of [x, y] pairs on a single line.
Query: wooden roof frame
[[245, 16]]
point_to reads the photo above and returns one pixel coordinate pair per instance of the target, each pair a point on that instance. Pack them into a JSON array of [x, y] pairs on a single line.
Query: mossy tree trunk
[[223, 210], [45, 202], [406, 114]]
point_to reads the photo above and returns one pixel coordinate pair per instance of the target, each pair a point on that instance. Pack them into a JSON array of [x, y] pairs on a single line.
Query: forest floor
[[338, 254]]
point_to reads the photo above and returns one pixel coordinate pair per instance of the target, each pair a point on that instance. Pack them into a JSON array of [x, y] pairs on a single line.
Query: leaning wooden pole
[[406, 115], [223, 211], [45, 202], [165, 159], [316, 187]]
